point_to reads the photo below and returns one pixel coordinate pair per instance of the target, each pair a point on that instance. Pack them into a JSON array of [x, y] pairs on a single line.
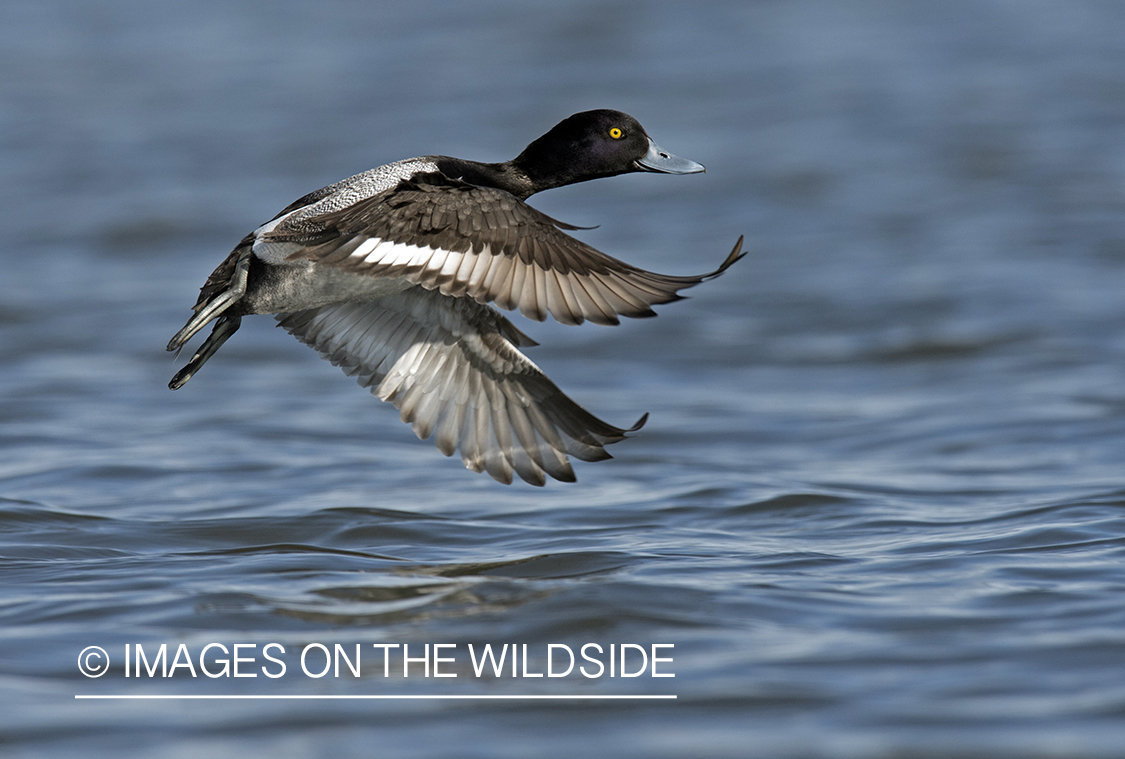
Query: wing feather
[[447, 235], [452, 368]]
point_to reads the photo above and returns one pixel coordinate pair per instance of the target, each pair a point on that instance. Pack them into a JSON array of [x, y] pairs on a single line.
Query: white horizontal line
[[510, 697]]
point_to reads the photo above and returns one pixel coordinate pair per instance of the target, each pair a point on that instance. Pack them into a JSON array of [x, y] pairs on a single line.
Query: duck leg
[[217, 306], [224, 328]]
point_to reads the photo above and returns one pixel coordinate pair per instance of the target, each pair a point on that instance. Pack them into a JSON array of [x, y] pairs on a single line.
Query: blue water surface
[[878, 509]]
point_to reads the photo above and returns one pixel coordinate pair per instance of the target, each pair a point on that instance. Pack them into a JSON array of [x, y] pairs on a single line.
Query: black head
[[595, 144]]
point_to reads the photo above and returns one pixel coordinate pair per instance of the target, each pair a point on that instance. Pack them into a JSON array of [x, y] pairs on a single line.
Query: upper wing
[[452, 368], [460, 239]]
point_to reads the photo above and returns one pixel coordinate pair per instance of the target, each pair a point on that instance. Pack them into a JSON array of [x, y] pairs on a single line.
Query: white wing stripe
[[365, 249]]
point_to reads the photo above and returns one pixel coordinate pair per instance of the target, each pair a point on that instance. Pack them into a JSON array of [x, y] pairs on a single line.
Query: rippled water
[[878, 509]]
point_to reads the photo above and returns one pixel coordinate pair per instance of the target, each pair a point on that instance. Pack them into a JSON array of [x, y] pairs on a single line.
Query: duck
[[396, 274]]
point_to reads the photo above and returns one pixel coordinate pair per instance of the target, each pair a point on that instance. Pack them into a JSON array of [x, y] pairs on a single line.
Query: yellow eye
[[615, 133]]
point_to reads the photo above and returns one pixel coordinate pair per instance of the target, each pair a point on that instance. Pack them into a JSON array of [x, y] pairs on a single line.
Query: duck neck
[[544, 169], [505, 176]]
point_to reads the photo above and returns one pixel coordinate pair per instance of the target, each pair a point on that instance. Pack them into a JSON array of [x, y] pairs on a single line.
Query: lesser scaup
[[388, 275]]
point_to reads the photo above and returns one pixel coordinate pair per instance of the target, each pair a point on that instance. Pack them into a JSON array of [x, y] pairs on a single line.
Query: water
[[877, 510]]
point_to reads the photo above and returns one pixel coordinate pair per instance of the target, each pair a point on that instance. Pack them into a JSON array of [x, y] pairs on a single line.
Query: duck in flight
[[388, 274]]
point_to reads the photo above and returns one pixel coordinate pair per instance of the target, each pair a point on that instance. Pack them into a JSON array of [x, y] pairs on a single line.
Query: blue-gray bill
[[660, 160]]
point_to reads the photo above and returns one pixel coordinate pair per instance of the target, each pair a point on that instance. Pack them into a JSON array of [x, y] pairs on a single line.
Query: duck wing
[[453, 369], [462, 239]]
